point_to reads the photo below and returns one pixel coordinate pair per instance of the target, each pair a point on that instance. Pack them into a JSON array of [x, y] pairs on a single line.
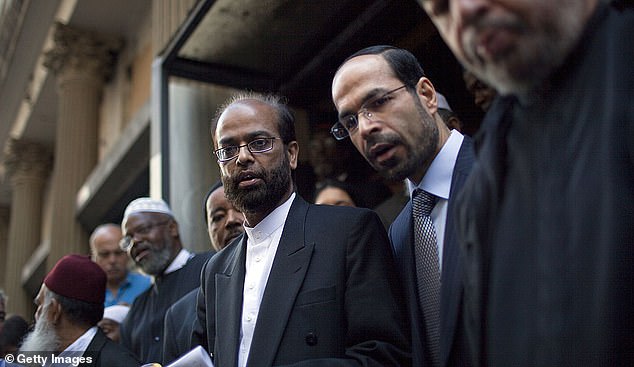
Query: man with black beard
[[152, 240], [69, 306], [306, 284], [547, 219], [389, 109]]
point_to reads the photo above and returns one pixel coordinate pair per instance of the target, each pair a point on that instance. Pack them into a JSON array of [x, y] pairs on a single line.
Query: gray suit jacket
[[332, 297]]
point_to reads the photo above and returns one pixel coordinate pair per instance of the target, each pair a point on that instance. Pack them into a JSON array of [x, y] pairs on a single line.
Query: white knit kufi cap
[[116, 313], [144, 205], [442, 102]]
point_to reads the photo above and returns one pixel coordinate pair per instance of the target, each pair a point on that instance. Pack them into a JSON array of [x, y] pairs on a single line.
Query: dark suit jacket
[[452, 343], [108, 353], [179, 323], [332, 296]]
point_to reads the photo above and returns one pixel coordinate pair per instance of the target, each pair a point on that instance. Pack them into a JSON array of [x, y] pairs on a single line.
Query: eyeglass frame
[[250, 149], [128, 240], [339, 125]]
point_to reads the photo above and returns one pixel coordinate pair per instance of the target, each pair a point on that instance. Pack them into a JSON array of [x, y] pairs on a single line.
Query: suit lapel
[[452, 272], [402, 240], [287, 274], [94, 348], [228, 307]]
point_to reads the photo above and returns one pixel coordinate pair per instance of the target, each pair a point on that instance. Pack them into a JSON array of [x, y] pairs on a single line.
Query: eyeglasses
[[347, 125], [259, 145], [126, 242]]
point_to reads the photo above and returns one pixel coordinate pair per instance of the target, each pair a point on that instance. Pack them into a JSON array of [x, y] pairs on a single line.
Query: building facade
[[105, 101]]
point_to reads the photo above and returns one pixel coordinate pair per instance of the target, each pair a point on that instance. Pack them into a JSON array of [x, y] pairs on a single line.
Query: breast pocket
[[316, 296]]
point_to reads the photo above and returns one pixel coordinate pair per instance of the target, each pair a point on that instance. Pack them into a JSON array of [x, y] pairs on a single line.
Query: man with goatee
[[306, 284]]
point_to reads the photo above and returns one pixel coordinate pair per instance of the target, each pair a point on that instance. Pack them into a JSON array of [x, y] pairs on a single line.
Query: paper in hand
[[197, 357]]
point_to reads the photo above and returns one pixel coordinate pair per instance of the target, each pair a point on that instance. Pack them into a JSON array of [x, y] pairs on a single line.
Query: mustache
[[372, 140], [234, 180], [478, 26], [497, 22], [138, 247]]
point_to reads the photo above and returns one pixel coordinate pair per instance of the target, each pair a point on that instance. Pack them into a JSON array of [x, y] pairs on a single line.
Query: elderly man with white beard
[[67, 315], [152, 239]]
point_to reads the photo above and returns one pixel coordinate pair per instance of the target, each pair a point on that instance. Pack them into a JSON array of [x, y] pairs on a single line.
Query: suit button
[[311, 339]]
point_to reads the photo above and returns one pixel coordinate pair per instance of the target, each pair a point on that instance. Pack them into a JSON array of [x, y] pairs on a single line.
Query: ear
[[293, 152], [427, 93], [454, 123], [173, 228], [55, 313]]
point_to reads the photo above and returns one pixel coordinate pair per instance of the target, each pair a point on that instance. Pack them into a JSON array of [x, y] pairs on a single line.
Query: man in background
[[547, 216], [123, 286], [152, 240], [224, 221], [11, 335], [224, 224]]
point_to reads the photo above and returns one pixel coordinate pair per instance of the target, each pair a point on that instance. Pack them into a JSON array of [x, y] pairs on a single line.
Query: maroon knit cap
[[77, 277]]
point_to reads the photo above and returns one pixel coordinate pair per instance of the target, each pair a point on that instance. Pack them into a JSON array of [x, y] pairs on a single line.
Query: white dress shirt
[[437, 181], [179, 261], [262, 242], [77, 348]]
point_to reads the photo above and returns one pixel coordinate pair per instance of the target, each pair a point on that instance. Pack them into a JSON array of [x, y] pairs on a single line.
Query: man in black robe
[[152, 240], [548, 220]]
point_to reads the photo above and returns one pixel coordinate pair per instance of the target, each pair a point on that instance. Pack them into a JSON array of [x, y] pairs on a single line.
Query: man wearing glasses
[[306, 283], [388, 108], [151, 238]]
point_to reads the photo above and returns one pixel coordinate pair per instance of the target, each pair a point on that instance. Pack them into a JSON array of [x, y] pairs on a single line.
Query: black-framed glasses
[[348, 124], [259, 145], [126, 242]]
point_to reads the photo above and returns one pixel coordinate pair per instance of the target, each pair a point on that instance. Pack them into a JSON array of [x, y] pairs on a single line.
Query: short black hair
[[79, 312], [402, 62], [214, 187], [286, 119], [343, 186]]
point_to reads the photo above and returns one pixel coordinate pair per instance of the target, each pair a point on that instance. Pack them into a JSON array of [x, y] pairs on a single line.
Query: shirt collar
[[127, 281], [437, 179], [81, 344], [270, 223], [179, 261]]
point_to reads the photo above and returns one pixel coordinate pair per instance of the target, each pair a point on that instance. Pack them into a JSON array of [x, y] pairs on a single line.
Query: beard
[[43, 338], [156, 261], [537, 53], [264, 196], [419, 154]]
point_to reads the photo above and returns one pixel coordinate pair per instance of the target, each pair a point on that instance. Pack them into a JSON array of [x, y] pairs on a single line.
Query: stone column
[[27, 165], [191, 165], [81, 62]]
